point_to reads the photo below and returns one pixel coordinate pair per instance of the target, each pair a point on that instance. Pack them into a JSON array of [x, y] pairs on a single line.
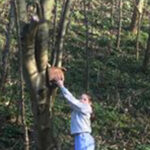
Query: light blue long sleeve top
[[80, 116]]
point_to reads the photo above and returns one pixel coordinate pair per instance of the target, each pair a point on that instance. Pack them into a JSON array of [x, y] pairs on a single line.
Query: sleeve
[[75, 104]]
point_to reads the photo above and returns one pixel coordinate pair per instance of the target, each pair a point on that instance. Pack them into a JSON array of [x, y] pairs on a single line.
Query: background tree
[[147, 54], [58, 50], [119, 24], [6, 51], [138, 8], [86, 22], [138, 35], [22, 106]]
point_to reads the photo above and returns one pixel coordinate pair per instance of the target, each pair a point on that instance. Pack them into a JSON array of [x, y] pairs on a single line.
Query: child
[[80, 118]]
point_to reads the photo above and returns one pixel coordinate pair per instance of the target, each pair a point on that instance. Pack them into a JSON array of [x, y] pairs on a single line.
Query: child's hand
[[60, 83]]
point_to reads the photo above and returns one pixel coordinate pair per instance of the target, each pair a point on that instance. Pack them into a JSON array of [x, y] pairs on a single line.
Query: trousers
[[84, 141]]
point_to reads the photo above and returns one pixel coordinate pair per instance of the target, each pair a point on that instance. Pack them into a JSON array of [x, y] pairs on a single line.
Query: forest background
[[106, 50]]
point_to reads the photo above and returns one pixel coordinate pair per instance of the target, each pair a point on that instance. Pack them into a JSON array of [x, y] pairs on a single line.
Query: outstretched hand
[[60, 83]]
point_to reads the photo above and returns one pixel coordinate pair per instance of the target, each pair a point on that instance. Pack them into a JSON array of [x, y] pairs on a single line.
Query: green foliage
[[129, 41], [143, 147], [11, 136], [104, 41]]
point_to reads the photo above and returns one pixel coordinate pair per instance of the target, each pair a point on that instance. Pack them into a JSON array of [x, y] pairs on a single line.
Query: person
[[80, 118]]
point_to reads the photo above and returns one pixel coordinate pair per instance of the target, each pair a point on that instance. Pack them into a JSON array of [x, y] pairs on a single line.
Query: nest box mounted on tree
[[54, 74]]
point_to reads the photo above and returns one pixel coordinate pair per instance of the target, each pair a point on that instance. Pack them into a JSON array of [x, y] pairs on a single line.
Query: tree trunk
[[5, 54], [22, 94], [35, 59], [61, 32], [138, 36], [35, 45], [57, 52], [147, 55], [119, 25], [138, 8], [54, 30], [35, 77], [112, 12], [53, 54], [86, 46]]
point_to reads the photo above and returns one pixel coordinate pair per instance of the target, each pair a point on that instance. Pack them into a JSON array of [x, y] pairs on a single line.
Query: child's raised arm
[[75, 104]]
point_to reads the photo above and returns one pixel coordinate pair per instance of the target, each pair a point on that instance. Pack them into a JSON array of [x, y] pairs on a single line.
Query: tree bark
[[57, 52], [22, 94], [112, 12], [86, 47], [138, 8], [47, 7], [5, 55], [61, 33], [147, 55], [35, 36], [138, 36], [53, 54], [35, 76], [119, 25]]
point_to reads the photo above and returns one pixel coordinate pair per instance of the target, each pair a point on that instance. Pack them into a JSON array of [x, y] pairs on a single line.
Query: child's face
[[84, 99]]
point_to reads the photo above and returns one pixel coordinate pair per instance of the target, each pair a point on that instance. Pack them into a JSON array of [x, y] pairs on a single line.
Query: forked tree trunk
[[35, 77], [35, 59], [35, 45]]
